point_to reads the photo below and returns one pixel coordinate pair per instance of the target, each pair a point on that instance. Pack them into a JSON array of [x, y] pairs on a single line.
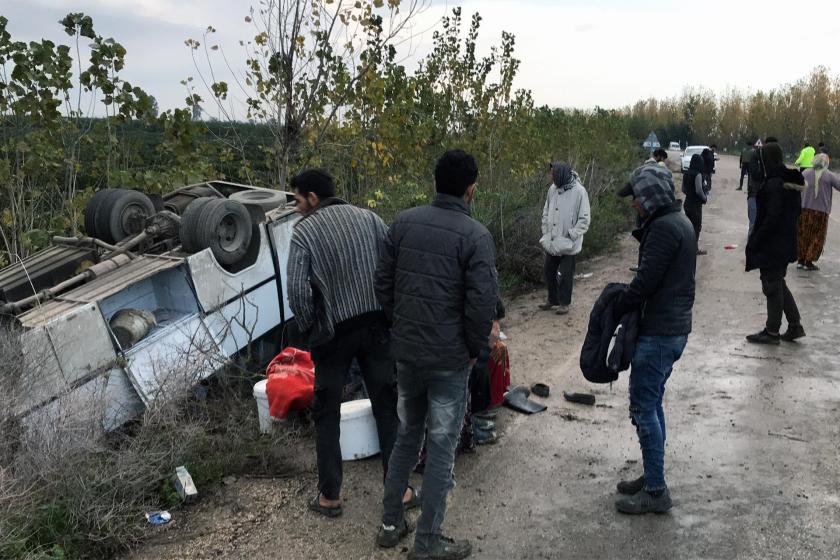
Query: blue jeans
[[437, 400], [651, 367], [751, 210]]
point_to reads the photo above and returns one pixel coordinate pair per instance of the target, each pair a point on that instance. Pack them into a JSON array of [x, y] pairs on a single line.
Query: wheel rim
[[132, 219], [229, 234]]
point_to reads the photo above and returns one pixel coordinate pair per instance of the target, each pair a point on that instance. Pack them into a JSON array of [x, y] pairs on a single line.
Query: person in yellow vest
[[806, 157]]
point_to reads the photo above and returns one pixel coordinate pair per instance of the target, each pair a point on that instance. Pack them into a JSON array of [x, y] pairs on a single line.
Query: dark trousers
[[370, 346], [560, 278], [745, 172], [779, 299], [694, 213]]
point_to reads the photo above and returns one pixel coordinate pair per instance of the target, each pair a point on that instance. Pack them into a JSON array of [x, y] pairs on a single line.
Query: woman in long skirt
[[816, 206]]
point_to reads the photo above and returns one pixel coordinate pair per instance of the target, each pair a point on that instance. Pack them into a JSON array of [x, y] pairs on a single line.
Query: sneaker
[[562, 309], [764, 337], [444, 549], [630, 487], [485, 437], [547, 306], [483, 424], [701, 252], [793, 332], [811, 267], [800, 264], [645, 502], [634, 269], [390, 536]]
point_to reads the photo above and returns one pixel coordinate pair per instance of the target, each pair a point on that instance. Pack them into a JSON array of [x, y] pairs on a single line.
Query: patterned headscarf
[[820, 164], [653, 186]]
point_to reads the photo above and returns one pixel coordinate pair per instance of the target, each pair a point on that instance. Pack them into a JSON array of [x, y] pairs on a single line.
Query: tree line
[[70, 124], [807, 110]]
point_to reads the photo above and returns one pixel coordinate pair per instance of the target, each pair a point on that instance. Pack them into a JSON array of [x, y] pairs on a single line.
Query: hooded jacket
[[693, 185], [778, 203], [663, 289], [565, 217]]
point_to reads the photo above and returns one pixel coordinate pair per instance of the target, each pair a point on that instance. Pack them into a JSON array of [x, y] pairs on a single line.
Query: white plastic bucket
[[262, 406], [359, 438]]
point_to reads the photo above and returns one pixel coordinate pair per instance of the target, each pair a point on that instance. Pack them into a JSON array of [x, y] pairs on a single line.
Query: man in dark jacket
[[744, 164], [772, 244], [663, 290], [436, 281], [708, 156], [332, 259]]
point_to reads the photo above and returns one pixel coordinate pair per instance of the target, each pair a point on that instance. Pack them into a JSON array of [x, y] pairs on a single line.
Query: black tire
[[92, 208], [224, 226], [121, 214], [189, 225], [266, 199]]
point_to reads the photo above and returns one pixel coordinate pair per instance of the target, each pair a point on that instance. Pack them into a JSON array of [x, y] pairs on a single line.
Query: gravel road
[[752, 456]]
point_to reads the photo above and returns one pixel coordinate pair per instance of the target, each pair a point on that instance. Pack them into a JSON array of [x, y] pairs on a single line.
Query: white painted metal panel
[[60, 354], [171, 360], [214, 285], [104, 403], [82, 342], [281, 236], [242, 321]]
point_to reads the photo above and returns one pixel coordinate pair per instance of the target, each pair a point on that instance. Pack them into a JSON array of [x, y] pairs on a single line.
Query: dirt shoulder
[[752, 457]]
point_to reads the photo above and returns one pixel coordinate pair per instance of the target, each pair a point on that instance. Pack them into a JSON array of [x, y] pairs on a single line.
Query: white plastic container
[[261, 397], [359, 438]]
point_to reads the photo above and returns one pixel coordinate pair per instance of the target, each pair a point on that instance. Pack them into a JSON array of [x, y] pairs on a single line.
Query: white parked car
[[674, 146], [690, 151]]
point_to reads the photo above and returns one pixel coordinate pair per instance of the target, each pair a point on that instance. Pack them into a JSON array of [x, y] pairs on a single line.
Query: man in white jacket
[[564, 221]]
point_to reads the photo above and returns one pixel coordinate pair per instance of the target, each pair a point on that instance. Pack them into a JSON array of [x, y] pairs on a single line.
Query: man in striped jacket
[[332, 259]]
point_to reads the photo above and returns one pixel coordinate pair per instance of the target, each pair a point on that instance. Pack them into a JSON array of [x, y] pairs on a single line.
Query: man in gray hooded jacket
[[564, 221]]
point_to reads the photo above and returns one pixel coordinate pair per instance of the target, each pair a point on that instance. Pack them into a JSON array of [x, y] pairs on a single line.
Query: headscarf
[[820, 164], [774, 165], [695, 166], [563, 175]]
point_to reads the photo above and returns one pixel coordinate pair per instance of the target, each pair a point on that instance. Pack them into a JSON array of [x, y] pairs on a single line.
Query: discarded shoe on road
[[517, 399], [580, 398], [540, 389]]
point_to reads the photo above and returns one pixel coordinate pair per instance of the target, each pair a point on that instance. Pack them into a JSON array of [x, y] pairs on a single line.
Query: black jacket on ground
[[598, 362], [663, 288], [436, 282]]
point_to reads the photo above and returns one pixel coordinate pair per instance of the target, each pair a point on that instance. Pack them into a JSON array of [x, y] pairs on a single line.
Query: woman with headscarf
[[772, 245], [695, 189], [565, 219], [816, 206]]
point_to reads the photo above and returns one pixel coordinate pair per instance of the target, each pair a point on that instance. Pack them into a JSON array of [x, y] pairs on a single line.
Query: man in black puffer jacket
[[663, 290], [436, 281]]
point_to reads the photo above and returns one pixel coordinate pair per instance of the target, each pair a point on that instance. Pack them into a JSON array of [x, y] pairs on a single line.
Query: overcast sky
[[574, 53]]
